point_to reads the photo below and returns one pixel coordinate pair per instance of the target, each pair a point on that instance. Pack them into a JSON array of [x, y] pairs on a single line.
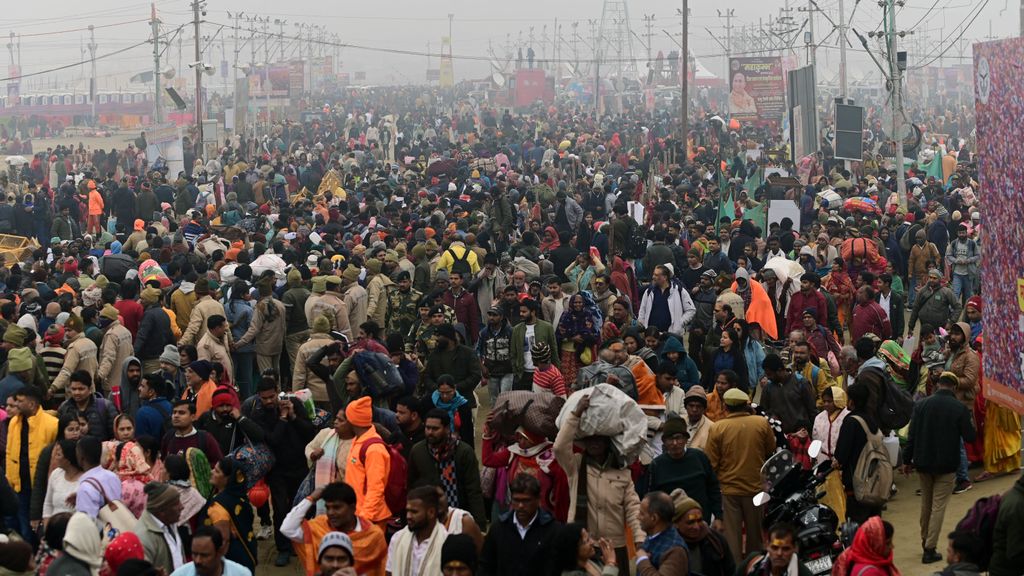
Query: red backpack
[[394, 489]]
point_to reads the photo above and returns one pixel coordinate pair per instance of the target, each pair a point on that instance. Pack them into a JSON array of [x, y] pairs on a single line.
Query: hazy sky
[[411, 24]]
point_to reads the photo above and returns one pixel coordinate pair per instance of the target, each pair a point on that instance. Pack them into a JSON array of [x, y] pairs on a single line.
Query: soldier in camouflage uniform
[[403, 304]]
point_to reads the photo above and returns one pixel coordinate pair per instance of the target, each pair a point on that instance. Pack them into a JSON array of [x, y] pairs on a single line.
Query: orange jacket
[[369, 477], [204, 398], [95, 203]]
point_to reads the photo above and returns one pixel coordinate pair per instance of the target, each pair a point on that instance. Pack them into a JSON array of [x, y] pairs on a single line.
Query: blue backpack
[[378, 374]]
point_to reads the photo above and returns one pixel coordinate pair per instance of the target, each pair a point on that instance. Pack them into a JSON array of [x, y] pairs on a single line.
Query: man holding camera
[[288, 430]]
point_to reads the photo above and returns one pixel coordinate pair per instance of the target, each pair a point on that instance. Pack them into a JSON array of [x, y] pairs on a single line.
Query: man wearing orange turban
[[369, 463]]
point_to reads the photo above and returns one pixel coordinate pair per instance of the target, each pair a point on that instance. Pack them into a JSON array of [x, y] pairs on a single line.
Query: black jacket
[[936, 427], [230, 433], [506, 554], [154, 333]]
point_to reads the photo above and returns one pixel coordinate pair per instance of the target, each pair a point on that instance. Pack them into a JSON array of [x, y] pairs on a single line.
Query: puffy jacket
[[42, 431], [100, 414], [95, 203]]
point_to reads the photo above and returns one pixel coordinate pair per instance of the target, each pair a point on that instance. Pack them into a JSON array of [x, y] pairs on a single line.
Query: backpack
[[872, 475], [394, 489], [981, 520], [895, 406], [460, 265], [378, 373]]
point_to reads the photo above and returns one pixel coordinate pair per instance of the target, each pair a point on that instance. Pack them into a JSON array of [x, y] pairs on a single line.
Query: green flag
[[758, 215], [934, 168], [726, 209], [754, 182]]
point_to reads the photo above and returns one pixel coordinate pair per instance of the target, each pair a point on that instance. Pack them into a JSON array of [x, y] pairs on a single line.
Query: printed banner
[[757, 89], [998, 105]]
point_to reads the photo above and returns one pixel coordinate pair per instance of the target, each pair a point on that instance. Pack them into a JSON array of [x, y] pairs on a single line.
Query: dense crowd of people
[[415, 335]]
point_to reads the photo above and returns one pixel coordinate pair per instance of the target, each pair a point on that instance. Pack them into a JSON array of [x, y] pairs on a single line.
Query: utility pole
[[684, 74], [154, 22], [649, 24], [810, 42], [197, 6], [92, 79], [842, 52], [728, 15], [896, 78], [280, 23]]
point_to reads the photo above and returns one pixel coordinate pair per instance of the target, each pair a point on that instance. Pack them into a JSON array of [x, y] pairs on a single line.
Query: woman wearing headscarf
[[527, 453], [124, 547], [230, 512], [134, 472], [578, 334], [757, 305], [871, 552], [897, 363], [448, 398], [82, 552], [826, 428], [550, 241], [840, 286]]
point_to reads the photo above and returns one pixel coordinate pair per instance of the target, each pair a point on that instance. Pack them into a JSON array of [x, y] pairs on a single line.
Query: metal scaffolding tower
[[615, 42]]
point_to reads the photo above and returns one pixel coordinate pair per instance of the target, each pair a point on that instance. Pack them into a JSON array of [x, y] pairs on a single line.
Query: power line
[[66, 66], [83, 29], [963, 30]]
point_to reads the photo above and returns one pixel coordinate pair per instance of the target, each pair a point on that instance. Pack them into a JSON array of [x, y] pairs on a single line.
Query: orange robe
[[760, 309], [368, 545]]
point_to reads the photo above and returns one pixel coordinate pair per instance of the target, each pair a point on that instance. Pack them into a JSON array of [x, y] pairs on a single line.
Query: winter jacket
[[115, 348], [686, 369], [267, 334], [612, 501], [966, 364], [542, 332], [151, 416], [917, 265], [303, 377], [182, 301], [456, 252], [934, 307], [154, 333], [81, 355], [461, 364], [377, 303], [937, 426], [1008, 533], [680, 307], [466, 311], [658, 254], [203, 309], [505, 553], [42, 431], [423, 471], [100, 414]]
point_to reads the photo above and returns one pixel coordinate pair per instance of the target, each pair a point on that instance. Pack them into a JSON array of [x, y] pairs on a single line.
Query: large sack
[[268, 262], [534, 411], [611, 414]]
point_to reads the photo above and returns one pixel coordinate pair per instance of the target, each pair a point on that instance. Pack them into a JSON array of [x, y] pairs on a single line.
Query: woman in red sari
[[840, 286], [871, 552]]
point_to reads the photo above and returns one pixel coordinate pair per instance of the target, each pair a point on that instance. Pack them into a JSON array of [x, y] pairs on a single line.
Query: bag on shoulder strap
[[114, 516], [872, 475]]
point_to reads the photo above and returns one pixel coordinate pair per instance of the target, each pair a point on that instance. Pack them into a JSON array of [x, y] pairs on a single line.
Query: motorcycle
[[791, 495]]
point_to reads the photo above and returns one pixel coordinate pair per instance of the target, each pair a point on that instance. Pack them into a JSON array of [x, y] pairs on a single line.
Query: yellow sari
[[1002, 439]]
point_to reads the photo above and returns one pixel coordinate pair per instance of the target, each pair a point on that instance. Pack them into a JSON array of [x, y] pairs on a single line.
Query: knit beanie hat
[[294, 278], [150, 295], [683, 503], [459, 549], [19, 360], [321, 325], [360, 412], [170, 355], [15, 335]]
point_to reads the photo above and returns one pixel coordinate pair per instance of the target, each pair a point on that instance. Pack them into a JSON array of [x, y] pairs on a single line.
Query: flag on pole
[[754, 181], [758, 215]]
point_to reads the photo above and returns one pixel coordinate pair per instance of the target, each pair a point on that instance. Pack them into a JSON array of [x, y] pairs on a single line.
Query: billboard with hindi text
[[757, 89]]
